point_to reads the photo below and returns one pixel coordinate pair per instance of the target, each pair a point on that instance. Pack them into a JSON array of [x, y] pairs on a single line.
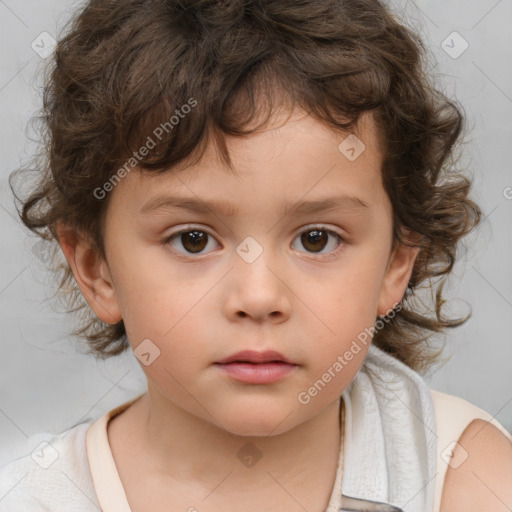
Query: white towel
[[390, 439]]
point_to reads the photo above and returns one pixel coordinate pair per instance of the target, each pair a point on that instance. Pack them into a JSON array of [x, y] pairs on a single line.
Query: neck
[[301, 461]]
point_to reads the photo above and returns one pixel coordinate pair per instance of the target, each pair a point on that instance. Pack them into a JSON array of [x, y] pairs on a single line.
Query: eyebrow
[[348, 203]]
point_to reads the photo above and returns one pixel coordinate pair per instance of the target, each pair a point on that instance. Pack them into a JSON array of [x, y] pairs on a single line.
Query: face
[[293, 254]]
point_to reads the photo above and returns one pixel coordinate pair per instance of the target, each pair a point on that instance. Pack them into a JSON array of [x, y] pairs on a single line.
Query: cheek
[[168, 316], [346, 304], [181, 351], [154, 296], [348, 299]]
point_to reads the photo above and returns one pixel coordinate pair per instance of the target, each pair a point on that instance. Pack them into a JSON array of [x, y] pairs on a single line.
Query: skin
[[178, 443], [484, 480]]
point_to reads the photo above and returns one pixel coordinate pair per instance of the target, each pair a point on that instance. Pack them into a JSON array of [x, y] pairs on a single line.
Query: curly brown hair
[[124, 66]]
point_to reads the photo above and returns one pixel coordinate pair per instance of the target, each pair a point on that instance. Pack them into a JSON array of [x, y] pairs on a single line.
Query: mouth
[[254, 367], [251, 356]]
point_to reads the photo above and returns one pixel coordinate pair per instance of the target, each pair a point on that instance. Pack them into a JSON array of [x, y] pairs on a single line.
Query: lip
[[256, 367], [252, 356]]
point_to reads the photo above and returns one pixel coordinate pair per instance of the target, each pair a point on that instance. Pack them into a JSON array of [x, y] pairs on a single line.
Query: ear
[[91, 274], [398, 274]]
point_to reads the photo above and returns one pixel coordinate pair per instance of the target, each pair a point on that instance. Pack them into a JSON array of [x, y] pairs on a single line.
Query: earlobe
[[91, 274], [397, 277]]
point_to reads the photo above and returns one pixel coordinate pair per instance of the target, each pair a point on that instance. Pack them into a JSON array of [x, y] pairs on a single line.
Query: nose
[[257, 290]]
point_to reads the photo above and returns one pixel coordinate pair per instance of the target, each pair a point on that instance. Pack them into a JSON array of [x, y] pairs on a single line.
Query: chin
[[256, 430], [257, 425]]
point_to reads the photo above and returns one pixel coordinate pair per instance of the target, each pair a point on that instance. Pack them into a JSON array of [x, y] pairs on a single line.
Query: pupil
[[314, 238], [194, 241]]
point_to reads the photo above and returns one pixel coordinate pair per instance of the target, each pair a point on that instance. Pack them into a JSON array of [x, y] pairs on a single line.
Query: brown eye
[[316, 240], [192, 241]]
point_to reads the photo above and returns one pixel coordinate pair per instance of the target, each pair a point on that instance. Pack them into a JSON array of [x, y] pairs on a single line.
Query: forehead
[[293, 155]]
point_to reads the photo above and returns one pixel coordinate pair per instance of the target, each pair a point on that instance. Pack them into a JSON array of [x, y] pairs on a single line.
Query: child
[[249, 195]]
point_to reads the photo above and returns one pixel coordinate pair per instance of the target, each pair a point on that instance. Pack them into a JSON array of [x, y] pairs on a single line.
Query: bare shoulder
[[480, 477]]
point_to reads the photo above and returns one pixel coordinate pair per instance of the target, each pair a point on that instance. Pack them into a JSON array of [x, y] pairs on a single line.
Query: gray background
[[48, 385]]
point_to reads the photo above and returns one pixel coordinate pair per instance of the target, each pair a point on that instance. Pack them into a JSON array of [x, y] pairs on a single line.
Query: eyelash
[[309, 229]]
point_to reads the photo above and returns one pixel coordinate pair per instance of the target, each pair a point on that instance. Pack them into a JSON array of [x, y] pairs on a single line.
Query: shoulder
[[471, 445], [480, 476], [52, 472]]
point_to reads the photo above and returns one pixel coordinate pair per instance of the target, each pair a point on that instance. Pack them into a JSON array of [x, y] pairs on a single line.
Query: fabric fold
[[390, 439]]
